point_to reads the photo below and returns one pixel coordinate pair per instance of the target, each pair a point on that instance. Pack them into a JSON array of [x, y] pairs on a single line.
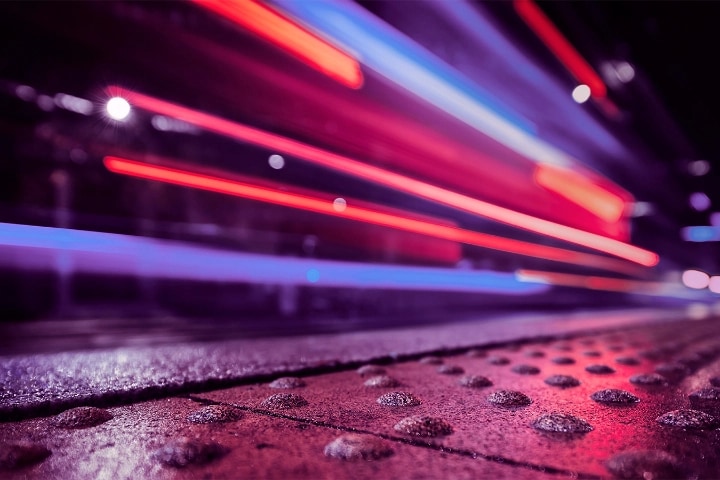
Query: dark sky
[[674, 44]]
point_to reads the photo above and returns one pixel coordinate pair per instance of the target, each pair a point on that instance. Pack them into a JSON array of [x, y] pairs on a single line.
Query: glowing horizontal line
[[701, 233], [366, 215], [285, 33], [33, 247], [560, 46], [593, 282], [389, 179]]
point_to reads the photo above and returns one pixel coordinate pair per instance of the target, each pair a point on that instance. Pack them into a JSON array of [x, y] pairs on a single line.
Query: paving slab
[[636, 402], [155, 440], [45, 383], [483, 428]]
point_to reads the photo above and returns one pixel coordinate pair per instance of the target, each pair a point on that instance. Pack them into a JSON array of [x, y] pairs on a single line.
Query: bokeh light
[[118, 108], [698, 168], [699, 201], [581, 93], [339, 204], [715, 219], [276, 161], [624, 71], [714, 284], [695, 279]]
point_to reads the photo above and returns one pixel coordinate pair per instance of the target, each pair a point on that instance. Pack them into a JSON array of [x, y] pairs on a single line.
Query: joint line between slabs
[[406, 441]]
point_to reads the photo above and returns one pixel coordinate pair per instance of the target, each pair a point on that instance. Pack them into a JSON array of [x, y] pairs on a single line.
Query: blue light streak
[[404, 62], [551, 99], [33, 247], [701, 234]]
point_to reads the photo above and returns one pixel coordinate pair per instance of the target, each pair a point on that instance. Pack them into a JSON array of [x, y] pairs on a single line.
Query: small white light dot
[[695, 279], [160, 122], [118, 108], [641, 209], [581, 93], [625, 72], [698, 167], [699, 201], [74, 104], [276, 161], [339, 204], [714, 284]]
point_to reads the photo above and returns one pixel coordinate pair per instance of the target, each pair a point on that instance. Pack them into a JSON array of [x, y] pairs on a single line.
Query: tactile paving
[[156, 440], [457, 415]]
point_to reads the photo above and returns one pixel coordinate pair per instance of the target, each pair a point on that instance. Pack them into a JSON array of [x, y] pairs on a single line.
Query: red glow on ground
[[315, 204], [389, 179], [283, 32], [581, 190], [560, 46]]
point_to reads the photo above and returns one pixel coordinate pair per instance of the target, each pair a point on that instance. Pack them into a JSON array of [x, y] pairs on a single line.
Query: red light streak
[[559, 45], [582, 191], [388, 179], [319, 205], [591, 282], [306, 46]]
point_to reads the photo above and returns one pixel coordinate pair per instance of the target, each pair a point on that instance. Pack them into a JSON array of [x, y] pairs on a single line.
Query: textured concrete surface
[[491, 431], [258, 446], [47, 383], [432, 421]]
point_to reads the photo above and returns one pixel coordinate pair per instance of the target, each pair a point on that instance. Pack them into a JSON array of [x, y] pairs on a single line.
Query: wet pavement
[[460, 414]]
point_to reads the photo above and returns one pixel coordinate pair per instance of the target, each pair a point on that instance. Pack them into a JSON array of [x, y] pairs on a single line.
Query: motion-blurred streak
[[662, 289], [373, 216], [701, 233], [410, 66], [383, 177], [526, 85], [33, 247], [583, 191], [403, 61], [501, 176], [560, 47], [290, 36]]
